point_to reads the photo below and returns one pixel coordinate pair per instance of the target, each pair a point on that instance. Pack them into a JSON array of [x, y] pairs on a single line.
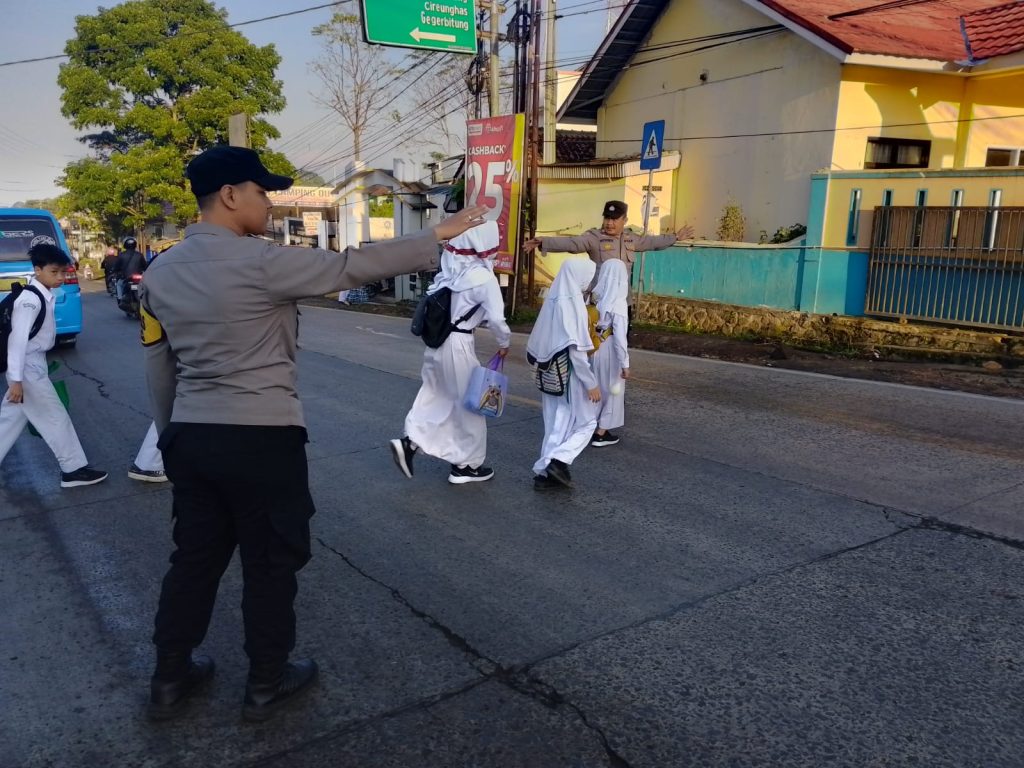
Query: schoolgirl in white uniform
[[611, 361], [438, 424], [569, 419]]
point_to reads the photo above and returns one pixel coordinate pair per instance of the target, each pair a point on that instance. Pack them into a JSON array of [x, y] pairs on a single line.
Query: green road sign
[[437, 25]]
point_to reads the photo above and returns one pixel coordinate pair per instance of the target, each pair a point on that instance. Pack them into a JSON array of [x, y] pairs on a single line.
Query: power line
[[329, 115], [759, 32], [804, 131], [320, 157], [184, 33]]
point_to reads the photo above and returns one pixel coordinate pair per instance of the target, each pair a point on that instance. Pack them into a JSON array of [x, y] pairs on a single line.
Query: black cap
[[222, 165], [614, 209]]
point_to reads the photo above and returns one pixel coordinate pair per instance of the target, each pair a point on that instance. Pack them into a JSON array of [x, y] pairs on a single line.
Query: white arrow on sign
[[417, 36]]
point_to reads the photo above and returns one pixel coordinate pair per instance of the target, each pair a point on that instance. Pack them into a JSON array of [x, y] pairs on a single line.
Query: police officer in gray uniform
[[610, 241], [220, 326]]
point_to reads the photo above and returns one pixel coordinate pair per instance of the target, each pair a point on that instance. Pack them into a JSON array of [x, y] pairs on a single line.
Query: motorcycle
[[129, 302]]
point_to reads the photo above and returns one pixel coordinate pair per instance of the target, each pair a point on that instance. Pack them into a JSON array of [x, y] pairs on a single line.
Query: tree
[[51, 204], [307, 178], [155, 81], [442, 98], [358, 80]]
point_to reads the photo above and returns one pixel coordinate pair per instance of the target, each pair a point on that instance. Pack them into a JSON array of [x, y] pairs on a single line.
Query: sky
[[36, 142]]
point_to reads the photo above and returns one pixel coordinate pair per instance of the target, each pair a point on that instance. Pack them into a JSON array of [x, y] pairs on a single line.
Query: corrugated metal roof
[[994, 31]]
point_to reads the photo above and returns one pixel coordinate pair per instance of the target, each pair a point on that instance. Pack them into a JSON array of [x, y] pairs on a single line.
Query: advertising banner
[[494, 173]]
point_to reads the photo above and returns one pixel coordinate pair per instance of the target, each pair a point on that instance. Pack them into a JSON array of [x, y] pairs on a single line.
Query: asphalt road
[[772, 569]]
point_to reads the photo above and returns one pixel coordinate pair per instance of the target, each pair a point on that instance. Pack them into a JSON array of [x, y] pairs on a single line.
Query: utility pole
[[550, 83], [533, 121], [238, 130], [494, 102]]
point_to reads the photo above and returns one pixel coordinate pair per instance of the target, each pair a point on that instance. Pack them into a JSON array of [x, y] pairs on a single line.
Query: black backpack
[[432, 320], [7, 309]]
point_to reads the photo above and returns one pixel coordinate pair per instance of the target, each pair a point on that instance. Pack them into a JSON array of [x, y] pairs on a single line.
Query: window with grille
[[897, 153]]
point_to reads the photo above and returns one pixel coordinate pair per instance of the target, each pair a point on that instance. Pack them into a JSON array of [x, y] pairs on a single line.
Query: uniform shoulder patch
[[152, 331]]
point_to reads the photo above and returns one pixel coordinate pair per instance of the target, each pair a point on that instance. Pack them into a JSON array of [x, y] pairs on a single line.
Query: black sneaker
[[84, 476], [559, 472], [147, 475], [545, 483], [402, 452], [601, 440], [461, 475]]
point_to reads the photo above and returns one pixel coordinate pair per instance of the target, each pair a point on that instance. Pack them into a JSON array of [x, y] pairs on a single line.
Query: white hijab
[[611, 293], [468, 259], [563, 317]]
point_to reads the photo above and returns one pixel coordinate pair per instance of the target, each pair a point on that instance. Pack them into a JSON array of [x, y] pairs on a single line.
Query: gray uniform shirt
[[601, 247], [220, 322]]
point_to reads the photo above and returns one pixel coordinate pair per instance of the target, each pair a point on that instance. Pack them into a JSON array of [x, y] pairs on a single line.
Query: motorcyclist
[[129, 262], [109, 275]]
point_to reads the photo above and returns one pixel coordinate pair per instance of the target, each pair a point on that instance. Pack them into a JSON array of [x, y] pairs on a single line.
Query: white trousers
[[569, 424], [149, 458], [438, 423], [44, 409], [605, 364]]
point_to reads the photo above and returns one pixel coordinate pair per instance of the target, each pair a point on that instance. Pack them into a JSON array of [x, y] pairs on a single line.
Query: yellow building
[[758, 95], [819, 113]]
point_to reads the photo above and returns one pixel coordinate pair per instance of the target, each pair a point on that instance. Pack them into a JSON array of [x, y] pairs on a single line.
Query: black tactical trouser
[[244, 486]]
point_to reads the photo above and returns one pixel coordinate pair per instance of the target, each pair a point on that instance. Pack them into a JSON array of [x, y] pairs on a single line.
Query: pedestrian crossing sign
[[650, 148]]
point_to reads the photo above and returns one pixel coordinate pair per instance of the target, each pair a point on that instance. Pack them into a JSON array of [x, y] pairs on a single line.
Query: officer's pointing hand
[[465, 219], [529, 245]]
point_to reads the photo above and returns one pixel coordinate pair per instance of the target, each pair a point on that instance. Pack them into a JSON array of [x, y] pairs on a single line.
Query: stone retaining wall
[[804, 329]]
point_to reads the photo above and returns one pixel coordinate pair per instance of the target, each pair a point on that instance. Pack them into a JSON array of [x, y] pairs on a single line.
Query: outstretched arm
[[557, 244]]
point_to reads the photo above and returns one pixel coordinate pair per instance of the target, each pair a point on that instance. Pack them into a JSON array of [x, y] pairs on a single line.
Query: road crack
[[101, 389], [516, 678]]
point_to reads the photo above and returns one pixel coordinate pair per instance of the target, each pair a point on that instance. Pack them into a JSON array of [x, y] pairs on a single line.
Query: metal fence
[[962, 266]]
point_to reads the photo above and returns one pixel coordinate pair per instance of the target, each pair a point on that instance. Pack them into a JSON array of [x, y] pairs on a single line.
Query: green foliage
[[524, 315], [155, 82], [785, 234], [134, 187], [382, 207], [50, 204], [732, 226], [306, 178]]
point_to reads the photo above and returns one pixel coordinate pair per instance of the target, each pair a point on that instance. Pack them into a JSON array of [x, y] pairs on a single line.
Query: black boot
[[177, 677], [265, 694]]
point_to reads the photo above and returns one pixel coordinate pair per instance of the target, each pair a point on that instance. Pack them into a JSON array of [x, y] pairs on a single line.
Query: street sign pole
[[647, 199], [650, 161], [449, 26]]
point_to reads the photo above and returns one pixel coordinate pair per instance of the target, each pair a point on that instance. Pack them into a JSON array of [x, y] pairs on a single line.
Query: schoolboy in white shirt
[[30, 394]]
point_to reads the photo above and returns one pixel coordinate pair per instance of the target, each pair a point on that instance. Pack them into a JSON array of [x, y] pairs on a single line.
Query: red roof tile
[[923, 29], [995, 31]]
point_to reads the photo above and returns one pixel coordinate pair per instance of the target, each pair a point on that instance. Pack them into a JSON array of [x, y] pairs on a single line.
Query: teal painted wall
[[748, 276], [808, 279]]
